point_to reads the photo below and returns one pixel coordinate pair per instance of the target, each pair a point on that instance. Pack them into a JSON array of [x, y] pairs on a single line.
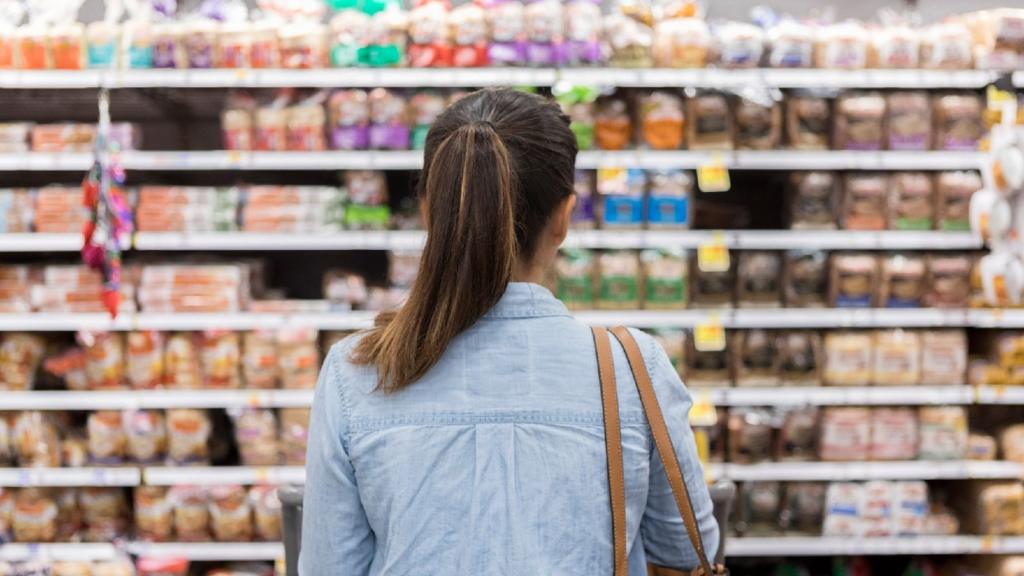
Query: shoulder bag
[[663, 443]]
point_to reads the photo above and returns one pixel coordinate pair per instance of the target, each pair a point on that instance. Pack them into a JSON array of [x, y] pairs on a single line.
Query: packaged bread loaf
[[105, 512], [681, 41], [712, 289], [803, 508], [230, 514], [897, 358], [843, 45], [294, 435], [145, 360], [849, 358], [845, 434], [629, 42], [911, 201], [854, 280], [948, 282], [800, 358], [756, 358], [908, 121], [181, 362], [953, 192], [981, 447], [74, 451], [999, 508], [259, 359], [153, 514], [903, 282], [621, 192], [266, 513], [613, 127], [219, 359], [943, 432], [759, 279], [298, 357], [958, 121], [664, 274], [389, 122], [661, 120], [20, 356], [859, 121], [813, 201], [188, 431], [790, 44], [947, 45], [878, 509], [35, 516], [349, 120], [750, 435], [798, 434], [36, 444], [895, 45], [146, 436], [618, 280], [575, 270], [104, 360], [865, 201], [893, 434], [806, 277], [709, 125], [668, 198], [70, 520], [256, 436], [708, 368], [106, 438], [943, 357], [757, 511], [739, 45], [191, 513], [758, 123], [807, 122]]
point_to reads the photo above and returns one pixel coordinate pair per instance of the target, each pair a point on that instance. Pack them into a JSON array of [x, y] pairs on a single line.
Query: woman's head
[[496, 192]]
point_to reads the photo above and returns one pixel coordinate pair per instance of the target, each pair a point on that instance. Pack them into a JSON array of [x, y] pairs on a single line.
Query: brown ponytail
[[496, 164]]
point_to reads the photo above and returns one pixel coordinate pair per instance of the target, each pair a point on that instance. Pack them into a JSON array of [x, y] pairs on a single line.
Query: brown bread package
[[1011, 442], [662, 120], [712, 289], [803, 508], [813, 201], [994, 508], [801, 358], [845, 434], [613, 127], [757, 508], [854, 280], [805, 278], [807, 122], [849, 358], [911, 201], [958, 121], [865, 201], [893, 434], [897, 358], [859, 122], [759, 280], [949, 281], [982, 447], [797, 440], [943, 357], [708, 369], [908, 121], [953, 191], [750, 435], [709, 125], [758, 124], [904, 282], [756, 358]]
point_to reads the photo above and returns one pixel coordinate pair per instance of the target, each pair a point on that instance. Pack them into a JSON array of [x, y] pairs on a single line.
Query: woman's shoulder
[[341, 371]]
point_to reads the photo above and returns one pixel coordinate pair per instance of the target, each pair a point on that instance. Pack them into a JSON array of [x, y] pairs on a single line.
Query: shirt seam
[[344, 403], [371, 424]]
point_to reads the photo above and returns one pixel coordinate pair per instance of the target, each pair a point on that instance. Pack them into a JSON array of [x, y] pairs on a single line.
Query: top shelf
[[482, 77]]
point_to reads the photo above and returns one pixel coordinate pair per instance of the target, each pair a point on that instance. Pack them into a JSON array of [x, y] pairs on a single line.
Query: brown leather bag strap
[[663, 442], [613, 448]]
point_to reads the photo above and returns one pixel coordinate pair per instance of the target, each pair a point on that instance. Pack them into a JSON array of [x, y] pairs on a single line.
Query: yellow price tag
[[709, 335], [234, 157], [987, 544], [703, 412], [713, 176], [255, 400], [262, 475], [713, 256], [700, 438]]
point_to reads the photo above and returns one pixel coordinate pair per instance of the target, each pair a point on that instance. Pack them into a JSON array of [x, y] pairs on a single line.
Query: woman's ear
[[562, 218]]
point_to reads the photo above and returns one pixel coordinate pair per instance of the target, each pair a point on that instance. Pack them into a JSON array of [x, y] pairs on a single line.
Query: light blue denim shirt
[[494, 462]]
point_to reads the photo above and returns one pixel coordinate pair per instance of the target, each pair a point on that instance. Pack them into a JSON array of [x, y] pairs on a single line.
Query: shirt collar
[[527, 300]]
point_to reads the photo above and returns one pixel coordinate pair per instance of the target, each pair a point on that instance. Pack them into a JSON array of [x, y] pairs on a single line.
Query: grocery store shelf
[[481, 77], [413, 240], [895, 546], [78, 552], [854, 471], [217, 475], [209, 551], [849, 396], [24, 477], [153, 399], [413, 160], [996, 318], [355, 320]]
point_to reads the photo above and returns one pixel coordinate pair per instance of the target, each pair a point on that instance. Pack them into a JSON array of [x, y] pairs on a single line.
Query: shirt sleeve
[[336, 536], [664, 535]]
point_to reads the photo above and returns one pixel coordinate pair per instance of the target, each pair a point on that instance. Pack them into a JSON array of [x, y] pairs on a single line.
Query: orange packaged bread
[[613, 127], [662, 120]]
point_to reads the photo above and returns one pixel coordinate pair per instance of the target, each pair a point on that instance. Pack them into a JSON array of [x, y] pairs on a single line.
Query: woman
[[462, 435]]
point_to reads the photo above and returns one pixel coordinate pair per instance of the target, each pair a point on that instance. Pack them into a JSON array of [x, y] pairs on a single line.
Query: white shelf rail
[[482, 77], [895, 546], [209, 551], [219, 475], [213, 160], [852, 396], [153, 399], [61, 477], [857, 471], [76, 552]]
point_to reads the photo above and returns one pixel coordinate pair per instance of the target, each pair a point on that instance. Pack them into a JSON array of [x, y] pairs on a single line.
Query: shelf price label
[[713, 255], [709, 335], [713, 175], [703, 412]]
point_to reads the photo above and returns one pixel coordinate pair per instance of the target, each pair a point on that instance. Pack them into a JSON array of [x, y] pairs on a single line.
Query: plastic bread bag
[[544, 24], [191, 513], [36, 444], [303, 44], [756, 358], [256, 436], [35, 516], [272, 124], [389, 129], [750, 435], [806, 278], [106, 437], [237, 123], [757, 511], [845, 434], [904, 282], [621, 196], [803, 508], [628, 42], [266, 513], [153, 514], [908, 121], [618, 280], [294, 435], [759, 280], [508, 32], [849, 358], [181, 362], [669, 196], [188, 432], [662, 120], [20, 357], [758, 120], [943, 432], [739, 45], [146, 436], [298, 358], [220, 359], [259, 359], [947, 45], [897, 358], [865, 201], [430, 42], [807, 122], [797, 439], [790, 45], [11, 14], [709, 122], [954, 191], [958, 121], [948, 281], [813, 201], [467, 25], [681, 41], [230, 514], [854, 279], [895, 45], [708, 368], [613, 126], [105, 511], [583, 23], [664, 279], [145, 366], [387, 37], [943, 357], [348, 35], [801, 358], [712, 288], [306, 124], [70, 520], [859, 121], [911, 201], [576, 275], [842, 46]]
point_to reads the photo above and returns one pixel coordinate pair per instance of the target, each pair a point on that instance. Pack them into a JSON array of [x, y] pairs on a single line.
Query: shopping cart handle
[[291, 520]]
